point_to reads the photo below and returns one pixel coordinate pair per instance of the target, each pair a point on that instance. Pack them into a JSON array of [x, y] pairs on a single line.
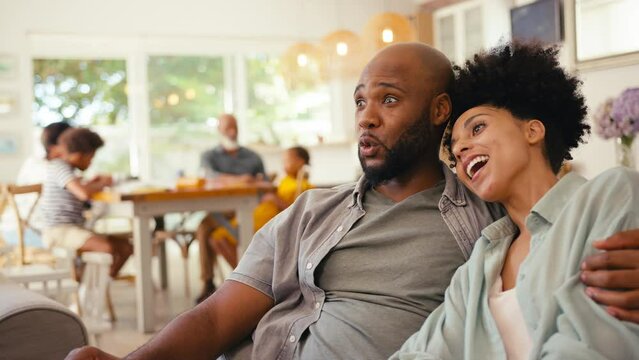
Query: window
[[186, 94], [89, 93], [459, 30], [447, 36], [473, 36], [606, 28], [280, 115]]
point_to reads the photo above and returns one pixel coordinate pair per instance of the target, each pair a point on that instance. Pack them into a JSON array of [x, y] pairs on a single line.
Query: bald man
[[349, 272], [227, 162]]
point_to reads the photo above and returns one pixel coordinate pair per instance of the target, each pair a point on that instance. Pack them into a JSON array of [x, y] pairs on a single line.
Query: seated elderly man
[[228, 162], [352, 272]]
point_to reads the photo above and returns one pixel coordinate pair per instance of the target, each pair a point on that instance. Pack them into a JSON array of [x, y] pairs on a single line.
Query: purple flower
[[625, 109], [605, 126], [618, 117]]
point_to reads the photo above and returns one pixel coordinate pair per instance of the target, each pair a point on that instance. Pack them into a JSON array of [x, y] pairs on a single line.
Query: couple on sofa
[[354, 271]]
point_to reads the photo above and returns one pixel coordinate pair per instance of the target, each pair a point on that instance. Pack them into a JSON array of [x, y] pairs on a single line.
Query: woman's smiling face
[[491, 150]]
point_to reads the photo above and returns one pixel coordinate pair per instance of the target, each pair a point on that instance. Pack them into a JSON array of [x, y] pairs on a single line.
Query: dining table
[[142, 204]]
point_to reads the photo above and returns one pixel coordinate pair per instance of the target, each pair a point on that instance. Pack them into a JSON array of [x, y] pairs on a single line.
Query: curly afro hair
[[527, 80]]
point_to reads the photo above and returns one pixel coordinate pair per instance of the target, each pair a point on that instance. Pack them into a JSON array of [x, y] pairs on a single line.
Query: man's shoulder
[[212, 151], [318, 197], [248, 152]]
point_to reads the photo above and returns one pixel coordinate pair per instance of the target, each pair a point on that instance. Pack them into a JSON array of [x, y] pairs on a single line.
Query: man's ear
[[535, 131], [440, 109]]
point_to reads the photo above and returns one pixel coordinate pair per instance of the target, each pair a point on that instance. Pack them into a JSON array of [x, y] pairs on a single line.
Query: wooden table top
[[207, 191]]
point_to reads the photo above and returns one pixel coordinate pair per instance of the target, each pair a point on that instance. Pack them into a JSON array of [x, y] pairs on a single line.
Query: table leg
[[245, 224], [144, 283], [159, 226], [162, 260]]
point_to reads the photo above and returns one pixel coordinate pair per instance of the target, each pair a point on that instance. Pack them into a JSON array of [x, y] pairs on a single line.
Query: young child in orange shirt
[[296, 162]]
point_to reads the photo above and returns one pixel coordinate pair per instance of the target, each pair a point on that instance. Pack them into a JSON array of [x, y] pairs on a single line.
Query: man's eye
[[478, 128], [359, 103], [390, 100]]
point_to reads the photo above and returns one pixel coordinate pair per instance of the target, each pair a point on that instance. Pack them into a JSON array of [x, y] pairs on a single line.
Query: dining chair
[[8, 194]]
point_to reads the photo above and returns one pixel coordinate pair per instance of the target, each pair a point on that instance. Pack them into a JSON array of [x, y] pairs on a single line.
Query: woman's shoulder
[[613, 190], [614, 178]]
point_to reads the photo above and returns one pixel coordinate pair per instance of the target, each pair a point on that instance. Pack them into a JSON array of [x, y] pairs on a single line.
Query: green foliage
[[185, 89], [65, 88], [270, 100]]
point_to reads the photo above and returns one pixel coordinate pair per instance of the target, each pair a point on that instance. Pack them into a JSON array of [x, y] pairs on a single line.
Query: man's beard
[[412, 147], [228, 144]]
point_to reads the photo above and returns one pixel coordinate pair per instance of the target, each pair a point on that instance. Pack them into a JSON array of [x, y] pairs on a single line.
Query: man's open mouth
[[368, 145]]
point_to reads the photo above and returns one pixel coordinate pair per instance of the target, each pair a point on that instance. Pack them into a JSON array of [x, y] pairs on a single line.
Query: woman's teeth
[[472, 169]]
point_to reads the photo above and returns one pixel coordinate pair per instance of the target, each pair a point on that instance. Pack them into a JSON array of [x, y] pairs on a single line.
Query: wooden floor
[[168, 303]]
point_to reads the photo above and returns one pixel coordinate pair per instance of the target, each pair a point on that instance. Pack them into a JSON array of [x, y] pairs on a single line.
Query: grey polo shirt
[[245, 161], [283, 257]]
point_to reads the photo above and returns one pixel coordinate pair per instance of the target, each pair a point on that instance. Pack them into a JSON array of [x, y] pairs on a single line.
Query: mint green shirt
[[563, 322]]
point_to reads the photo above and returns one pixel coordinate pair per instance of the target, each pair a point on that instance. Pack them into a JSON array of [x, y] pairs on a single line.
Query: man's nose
[[368, 118]]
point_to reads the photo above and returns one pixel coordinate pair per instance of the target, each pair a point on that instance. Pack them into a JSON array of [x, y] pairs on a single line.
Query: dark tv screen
[[540, 21]]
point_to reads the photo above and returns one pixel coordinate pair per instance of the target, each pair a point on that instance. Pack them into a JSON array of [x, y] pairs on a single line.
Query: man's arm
[[205, 332], [612, 276]]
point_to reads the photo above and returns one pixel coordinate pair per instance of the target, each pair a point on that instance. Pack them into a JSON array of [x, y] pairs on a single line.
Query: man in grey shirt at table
[[349, 272], [228, 162]]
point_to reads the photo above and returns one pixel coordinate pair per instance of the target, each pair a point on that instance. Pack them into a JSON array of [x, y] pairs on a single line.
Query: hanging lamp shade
[[302, 66], [343, 53], [387, 28]]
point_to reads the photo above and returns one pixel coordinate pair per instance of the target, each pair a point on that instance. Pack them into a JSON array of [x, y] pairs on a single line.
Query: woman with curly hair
[[517, 115]]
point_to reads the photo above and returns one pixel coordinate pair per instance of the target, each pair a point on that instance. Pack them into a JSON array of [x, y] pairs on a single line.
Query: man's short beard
[[413, 146]]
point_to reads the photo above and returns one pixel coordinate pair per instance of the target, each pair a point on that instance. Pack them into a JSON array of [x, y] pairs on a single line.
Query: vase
[[625, 151]]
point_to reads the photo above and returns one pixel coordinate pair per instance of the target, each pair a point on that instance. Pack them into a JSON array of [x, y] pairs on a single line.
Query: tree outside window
[[88, 93], [281, 114], [186, 94]]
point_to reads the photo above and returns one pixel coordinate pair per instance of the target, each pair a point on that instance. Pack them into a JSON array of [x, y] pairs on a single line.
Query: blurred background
[[152, 76]]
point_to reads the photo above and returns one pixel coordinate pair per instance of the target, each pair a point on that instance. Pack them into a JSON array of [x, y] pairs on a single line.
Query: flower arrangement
[[619, 118]]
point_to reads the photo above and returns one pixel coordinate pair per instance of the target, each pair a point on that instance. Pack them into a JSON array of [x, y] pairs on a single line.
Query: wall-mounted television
[[540, 21]]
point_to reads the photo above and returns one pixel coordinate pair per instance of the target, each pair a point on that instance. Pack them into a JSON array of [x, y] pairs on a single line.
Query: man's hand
[[89, 353], [612, 276]]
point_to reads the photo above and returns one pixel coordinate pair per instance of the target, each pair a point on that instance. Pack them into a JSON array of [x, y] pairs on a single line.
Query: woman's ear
[[535, 131], [441, 109]]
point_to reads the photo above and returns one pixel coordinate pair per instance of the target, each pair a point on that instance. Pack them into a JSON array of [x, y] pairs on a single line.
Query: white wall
[[599, 84], [206, 22], [599, 154]]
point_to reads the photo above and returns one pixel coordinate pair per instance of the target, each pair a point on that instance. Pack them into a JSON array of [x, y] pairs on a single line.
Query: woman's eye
[[390, 100], [478, 128]]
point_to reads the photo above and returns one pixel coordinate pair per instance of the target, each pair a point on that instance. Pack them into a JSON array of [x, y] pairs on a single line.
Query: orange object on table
[[190, 183]]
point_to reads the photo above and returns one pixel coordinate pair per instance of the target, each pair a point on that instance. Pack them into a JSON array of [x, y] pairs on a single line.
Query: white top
[[510, 322]]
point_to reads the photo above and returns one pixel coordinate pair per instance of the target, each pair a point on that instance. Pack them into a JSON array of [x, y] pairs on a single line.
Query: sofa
[[35, 327]]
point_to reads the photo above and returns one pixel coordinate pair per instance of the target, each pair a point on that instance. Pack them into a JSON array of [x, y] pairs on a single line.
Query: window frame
[[136, 50]]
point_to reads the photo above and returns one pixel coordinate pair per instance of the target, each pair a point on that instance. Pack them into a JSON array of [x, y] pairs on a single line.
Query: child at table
[[296, 161], [65, 196]]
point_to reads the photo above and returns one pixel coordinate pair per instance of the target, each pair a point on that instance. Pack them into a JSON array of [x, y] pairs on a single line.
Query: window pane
[[186, 95], [446, 36], [282, 115], [89, 93], [473, 31], [606, 28]]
